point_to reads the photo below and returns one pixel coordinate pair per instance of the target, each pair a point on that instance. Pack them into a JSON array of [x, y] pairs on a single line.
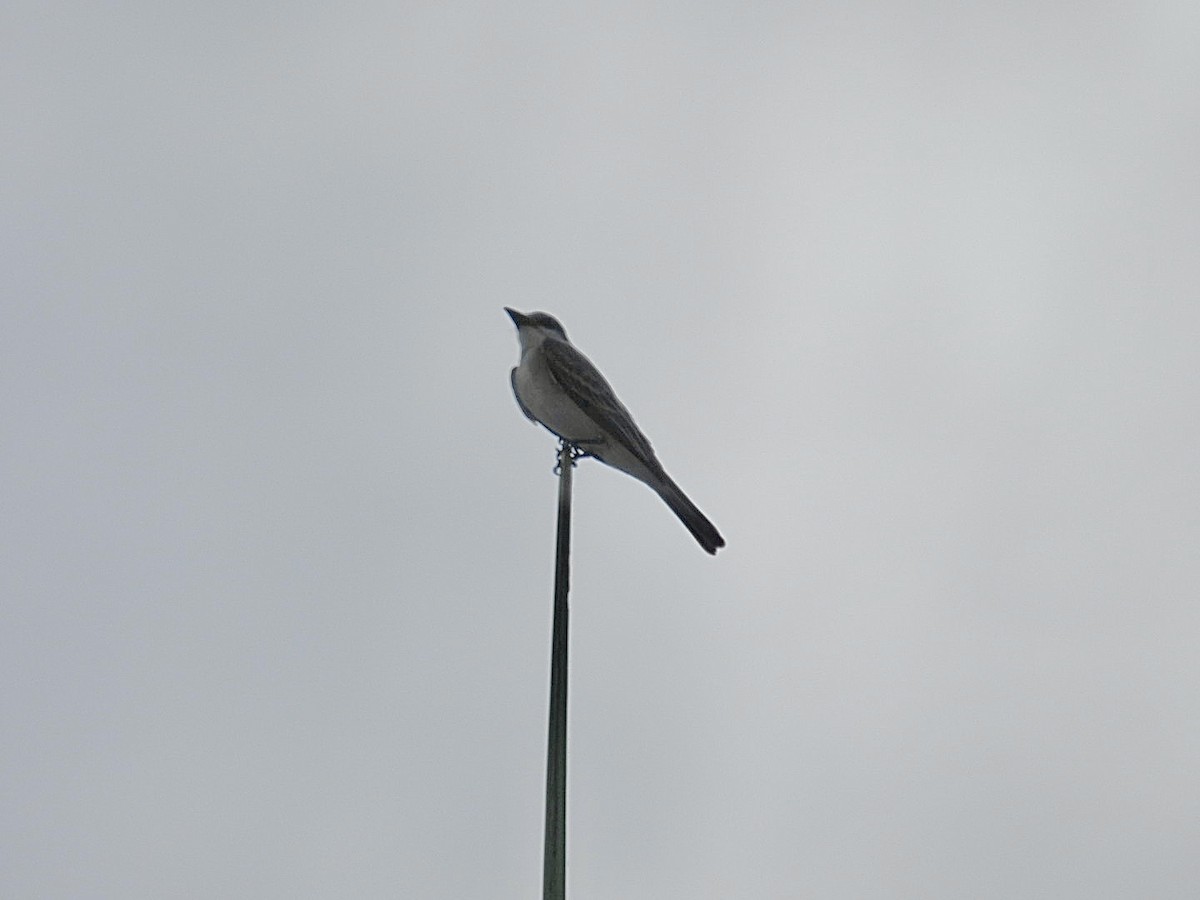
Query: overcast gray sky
[[904, 293]]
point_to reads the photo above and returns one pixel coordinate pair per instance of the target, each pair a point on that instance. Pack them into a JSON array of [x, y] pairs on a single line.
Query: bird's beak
[[519, 319]]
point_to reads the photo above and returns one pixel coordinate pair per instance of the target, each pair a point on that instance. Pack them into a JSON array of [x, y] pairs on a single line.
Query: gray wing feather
[[584, 384]]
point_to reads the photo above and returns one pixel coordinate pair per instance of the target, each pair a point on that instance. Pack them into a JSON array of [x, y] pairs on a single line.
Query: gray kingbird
[[559, 388]]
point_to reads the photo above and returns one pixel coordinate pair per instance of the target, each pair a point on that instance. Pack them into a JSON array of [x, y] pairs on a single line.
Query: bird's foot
[[573, 450]]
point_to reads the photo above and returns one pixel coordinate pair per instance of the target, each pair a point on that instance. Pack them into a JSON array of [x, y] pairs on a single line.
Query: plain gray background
[[904, 293]]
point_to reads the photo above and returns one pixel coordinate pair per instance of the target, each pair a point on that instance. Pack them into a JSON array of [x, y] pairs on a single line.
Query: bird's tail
[[704, 531]]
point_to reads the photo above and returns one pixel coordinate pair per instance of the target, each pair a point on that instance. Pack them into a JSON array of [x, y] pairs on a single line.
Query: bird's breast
[[549, 404]]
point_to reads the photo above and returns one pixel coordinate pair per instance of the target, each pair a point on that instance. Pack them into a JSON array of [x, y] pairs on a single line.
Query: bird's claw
[[574, 452]]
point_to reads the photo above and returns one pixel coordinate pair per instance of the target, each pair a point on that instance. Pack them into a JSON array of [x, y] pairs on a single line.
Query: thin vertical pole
[[554, 869]]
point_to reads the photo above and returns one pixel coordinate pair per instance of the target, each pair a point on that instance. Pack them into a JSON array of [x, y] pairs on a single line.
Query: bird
[[557, 387]]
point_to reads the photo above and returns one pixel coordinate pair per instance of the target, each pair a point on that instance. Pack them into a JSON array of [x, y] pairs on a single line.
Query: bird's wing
[[583, 383]]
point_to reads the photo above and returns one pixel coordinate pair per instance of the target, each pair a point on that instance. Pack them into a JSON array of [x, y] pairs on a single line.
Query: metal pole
[[554, 869]]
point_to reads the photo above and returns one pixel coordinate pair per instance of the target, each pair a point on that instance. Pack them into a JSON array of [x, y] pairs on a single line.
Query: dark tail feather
[[695, 521]]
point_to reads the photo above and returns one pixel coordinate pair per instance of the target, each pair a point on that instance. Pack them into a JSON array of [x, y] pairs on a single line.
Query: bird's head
[[536, 323]]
